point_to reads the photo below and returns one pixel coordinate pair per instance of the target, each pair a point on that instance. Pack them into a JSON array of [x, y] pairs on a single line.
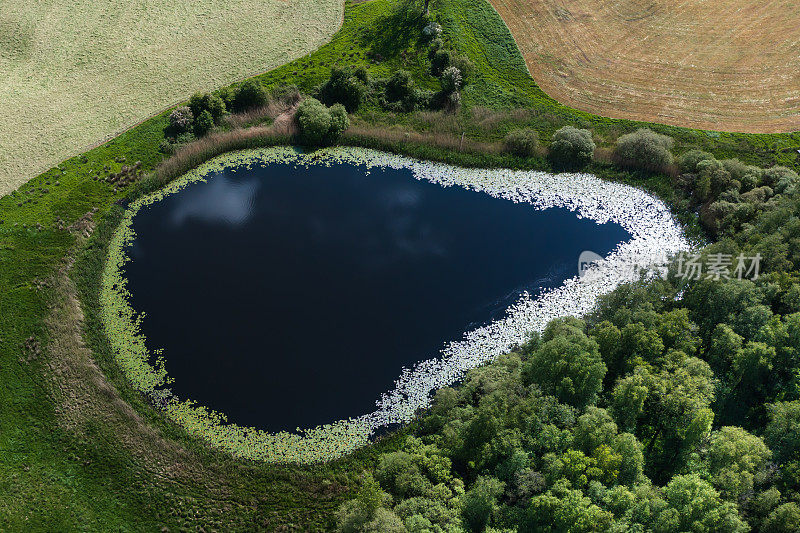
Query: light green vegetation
[[74, 73]]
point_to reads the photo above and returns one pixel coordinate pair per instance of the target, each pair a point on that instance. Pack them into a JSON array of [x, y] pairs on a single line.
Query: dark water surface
[[288, 297]]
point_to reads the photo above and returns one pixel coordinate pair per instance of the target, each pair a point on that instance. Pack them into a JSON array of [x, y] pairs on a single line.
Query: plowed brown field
[[728, 65]]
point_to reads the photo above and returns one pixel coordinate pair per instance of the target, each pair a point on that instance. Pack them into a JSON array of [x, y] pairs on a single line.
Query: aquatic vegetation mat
[[655, 236]]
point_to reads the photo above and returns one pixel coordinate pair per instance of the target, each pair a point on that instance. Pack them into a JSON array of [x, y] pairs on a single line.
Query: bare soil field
[[76, 72], [726, 65]]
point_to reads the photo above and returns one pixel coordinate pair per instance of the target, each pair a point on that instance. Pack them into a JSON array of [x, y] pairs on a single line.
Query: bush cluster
[[644, 149], [318, 124], [522, 142], [572, 148]]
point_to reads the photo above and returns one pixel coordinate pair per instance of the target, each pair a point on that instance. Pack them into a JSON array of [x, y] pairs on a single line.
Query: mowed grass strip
[[722, 65], [75, 73]]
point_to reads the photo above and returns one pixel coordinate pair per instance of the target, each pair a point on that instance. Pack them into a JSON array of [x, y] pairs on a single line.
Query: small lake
[[286, 296]]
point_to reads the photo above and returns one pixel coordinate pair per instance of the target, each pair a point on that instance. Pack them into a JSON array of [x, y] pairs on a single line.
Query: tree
[[200, 102], [480, 502], [572, 148], [401, 92], [695, 506], [736, 459], [345, 86], [675, 412], [564, 510], [451, 79], [203, 123], [644, 149], [440, 61], [688, 161], [569, 367], [783, 430], [784, 519], [521, 142], [318, 124], [249, 95], [180, 120]]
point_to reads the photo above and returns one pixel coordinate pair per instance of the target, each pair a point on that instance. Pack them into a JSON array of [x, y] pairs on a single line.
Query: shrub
[[432, 30], [572, 148], [440, 61], [200, 102], [644, 149], [463, 64], [339, 121], [401, 93], [180, 120], [319, 125], [345, 87], [522, 142], [436, 45], [780, 178], [249, 95], [203, 123], [688, 161], [453, 101], [286, 93], [451, 79]]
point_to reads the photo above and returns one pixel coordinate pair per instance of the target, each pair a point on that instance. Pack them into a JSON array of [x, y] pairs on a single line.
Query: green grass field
[[79, 450], [76, 73]]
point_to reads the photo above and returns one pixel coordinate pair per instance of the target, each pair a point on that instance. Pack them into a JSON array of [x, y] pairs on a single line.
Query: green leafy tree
[[319, 125], [249, 95], [569, 367], [203, 123], [480, 502], [694, 505], [736, 459], [572, 148], [521, 142], [564, 510], [644, 149], [784, 519], [212, 103], [346, 86]]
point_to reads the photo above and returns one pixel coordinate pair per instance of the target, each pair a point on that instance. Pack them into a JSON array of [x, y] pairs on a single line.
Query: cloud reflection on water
[[222, 199]]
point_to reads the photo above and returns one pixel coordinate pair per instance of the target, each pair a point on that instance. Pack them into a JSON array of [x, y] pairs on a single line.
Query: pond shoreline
[[647, 219]]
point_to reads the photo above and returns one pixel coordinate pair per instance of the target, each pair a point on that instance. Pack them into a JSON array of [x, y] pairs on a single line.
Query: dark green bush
[[644, 149], [345, 86], [523, 142], [401, 94], [203, 123], [440, 61], [249, 95], [200, 102], [688, 161], [572, 148]]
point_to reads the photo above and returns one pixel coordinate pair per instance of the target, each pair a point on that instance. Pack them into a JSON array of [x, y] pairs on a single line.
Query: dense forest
[[674, 407]]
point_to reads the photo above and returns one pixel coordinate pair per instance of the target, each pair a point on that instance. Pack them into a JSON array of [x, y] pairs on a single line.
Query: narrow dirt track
[[724, 65]]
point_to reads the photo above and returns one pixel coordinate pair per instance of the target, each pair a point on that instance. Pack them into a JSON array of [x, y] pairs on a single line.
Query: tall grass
[[448, 141], [281, 131]]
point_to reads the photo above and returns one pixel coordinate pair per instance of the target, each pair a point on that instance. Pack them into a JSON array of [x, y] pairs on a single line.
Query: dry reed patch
[[75, 73], [714, 64]]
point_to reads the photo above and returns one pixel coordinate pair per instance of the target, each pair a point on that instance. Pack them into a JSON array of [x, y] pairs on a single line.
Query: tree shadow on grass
[[396, 32]]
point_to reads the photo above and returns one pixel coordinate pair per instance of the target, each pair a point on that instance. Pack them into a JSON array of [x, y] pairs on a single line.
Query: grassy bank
[[79, 450]]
